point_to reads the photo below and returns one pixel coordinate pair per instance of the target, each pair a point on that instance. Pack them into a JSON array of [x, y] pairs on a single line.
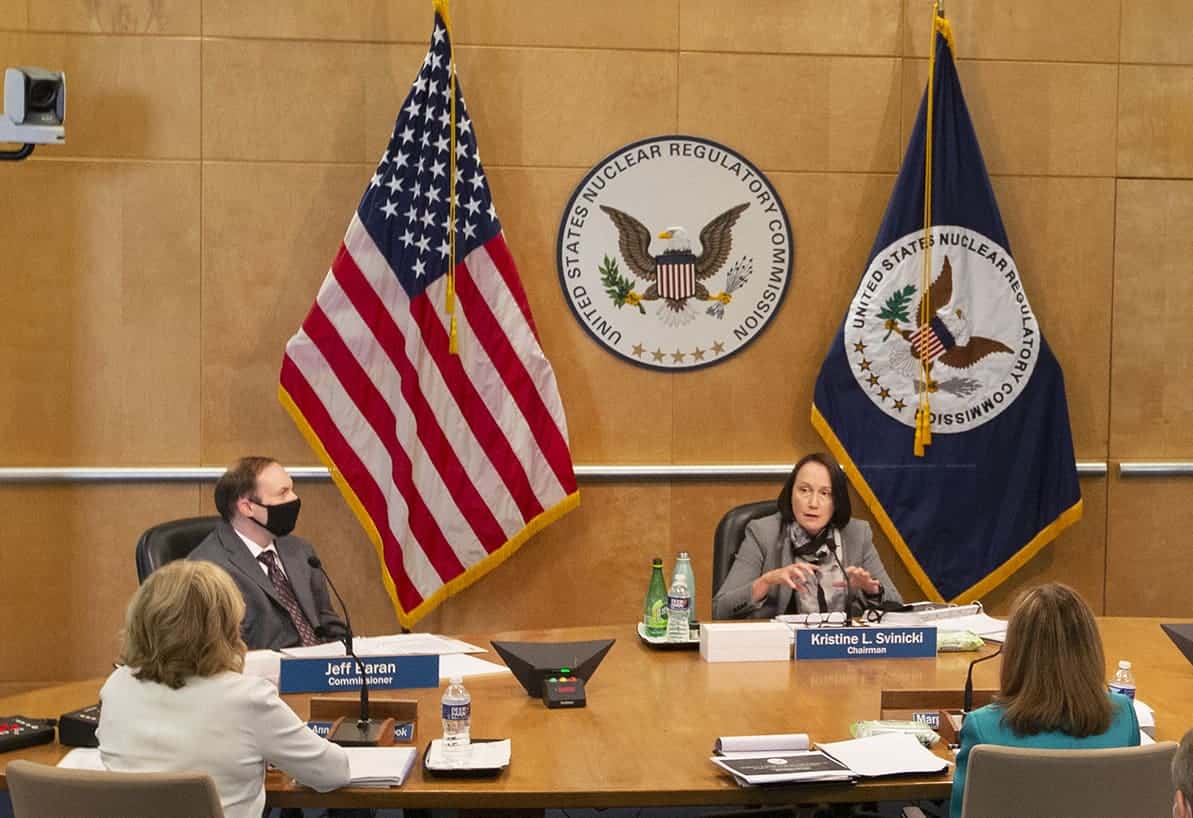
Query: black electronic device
[[20, 731], [77, 728], [1181, 636], [564, 690], [533, 663]]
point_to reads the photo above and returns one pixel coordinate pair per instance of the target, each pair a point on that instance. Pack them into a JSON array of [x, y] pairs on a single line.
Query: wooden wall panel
[[101, 281], [14, 15], [795, 113], [791, 27], [484, 22], [149, 301], [1155, 118], [127, 96], [1157, 31], [1058, 30], [1153, 296], [590, 568], [261, 270], [1148, 558], [1062, 235], [302, 101], [529, 108], [115, 16], [604, 396], [67, 558], [756, 407], [1053, 119]]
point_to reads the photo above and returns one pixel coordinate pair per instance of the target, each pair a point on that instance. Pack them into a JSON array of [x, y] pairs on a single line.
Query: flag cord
[[923, 420], [453, 346]]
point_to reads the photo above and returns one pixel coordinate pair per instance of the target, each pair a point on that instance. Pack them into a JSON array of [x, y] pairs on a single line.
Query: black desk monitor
[[1182, 637], [531, 662]]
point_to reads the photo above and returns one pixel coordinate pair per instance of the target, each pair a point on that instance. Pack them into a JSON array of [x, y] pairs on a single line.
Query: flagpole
[[441, 9]]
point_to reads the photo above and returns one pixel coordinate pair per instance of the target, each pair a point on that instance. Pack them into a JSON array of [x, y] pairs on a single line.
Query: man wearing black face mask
[[286, 601]]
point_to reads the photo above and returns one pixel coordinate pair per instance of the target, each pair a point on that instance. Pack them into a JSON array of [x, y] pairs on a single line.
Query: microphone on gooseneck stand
[[848, 587], [366, 731], [967, 701]]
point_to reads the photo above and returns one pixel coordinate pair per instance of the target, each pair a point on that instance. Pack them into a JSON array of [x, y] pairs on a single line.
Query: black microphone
[[366, 731], [346, 637], [848, 586], [967, 701]]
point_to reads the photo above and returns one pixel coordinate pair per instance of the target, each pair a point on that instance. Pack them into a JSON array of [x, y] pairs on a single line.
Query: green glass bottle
[[654, 609]]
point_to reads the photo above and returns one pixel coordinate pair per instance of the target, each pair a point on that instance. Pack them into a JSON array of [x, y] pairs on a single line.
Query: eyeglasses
[[833, 619]]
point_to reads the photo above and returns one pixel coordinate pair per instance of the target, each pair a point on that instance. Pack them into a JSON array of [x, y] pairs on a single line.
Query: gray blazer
[[764, 548], [267, 624]]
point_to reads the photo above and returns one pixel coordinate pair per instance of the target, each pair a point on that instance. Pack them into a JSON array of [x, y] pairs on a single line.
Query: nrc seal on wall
[[976, 338], [675, 252]]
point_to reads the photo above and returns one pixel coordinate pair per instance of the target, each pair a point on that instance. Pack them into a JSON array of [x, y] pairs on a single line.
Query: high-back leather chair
[[40, 791], [1011, 782], [170, 541], [730, 532]]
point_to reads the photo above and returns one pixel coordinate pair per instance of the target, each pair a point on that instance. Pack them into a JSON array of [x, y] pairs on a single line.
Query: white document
[[398, 644], [886, 754], [463, 665], [743, 746], [379, 766], [82, 758], [481, 755], [982, 624], [264, 663]]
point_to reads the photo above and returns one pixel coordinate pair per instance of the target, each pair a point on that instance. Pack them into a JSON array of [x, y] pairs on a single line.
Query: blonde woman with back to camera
[[1052, 687], [179, 701]]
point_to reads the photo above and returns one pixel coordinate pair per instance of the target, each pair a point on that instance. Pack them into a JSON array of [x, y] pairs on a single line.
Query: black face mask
[[280, 519]]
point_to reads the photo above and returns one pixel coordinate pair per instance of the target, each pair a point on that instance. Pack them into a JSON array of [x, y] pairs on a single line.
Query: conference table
[[652, 717]]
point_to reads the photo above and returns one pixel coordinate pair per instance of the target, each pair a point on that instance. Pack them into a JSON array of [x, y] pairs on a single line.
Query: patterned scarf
[[817, 552]]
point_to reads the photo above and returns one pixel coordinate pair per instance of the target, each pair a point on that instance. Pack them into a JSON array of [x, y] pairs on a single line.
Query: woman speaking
[[179, 701], [808, 557]]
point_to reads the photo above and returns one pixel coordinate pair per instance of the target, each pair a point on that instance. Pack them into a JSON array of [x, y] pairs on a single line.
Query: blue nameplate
[[339, 674], [403, 730], [865, 643]]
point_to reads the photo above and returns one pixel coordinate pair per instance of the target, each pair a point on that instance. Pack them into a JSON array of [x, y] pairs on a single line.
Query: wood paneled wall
[[154, 266]]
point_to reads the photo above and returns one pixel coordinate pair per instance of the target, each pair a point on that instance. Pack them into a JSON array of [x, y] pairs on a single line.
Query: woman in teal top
[[1052, 689]]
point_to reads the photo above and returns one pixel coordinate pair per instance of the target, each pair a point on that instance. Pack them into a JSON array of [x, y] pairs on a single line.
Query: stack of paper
[[787, 768], [480, 755], [379, 766], [886, 754]]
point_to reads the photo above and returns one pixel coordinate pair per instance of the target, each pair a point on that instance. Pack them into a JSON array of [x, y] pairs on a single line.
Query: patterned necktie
[[281, 584]]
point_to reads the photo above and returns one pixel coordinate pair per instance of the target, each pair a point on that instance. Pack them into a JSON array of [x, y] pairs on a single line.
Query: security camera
[[34, 107]]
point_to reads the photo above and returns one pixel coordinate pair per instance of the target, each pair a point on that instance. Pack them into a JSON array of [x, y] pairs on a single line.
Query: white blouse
[[227, 726]]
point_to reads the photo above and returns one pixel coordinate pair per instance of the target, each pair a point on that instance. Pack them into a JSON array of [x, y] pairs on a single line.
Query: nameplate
[[865, 643], [340, 674], [403, 730]]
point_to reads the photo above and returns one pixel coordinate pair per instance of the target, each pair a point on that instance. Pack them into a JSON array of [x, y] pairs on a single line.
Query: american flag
[[931, 339], [450, 461]]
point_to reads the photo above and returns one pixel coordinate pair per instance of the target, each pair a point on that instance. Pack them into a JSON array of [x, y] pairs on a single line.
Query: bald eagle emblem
[[946, 339], [678, 274]]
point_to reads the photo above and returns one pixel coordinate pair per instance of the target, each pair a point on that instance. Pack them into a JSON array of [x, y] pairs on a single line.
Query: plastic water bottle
[[679, 608], [654, 607], [457, 718], [1124, 680], [683, 564]]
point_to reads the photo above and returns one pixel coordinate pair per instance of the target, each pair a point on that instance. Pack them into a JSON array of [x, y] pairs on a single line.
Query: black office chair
[[730, 532], [170, 541]]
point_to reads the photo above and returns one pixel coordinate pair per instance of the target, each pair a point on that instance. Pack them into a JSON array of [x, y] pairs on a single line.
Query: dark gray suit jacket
[[267, 624], [764, 547]]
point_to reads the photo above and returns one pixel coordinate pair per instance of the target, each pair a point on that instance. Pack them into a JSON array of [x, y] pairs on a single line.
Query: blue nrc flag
[[941, 328]]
